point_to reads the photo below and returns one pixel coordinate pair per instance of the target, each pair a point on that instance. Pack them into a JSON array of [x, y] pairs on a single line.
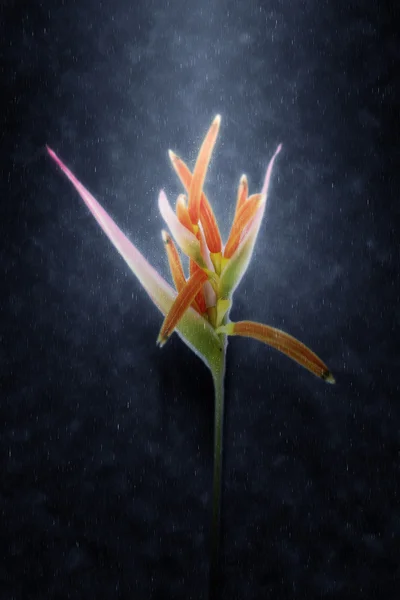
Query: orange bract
[[174, 261], [207, 217], [210, 227], [181, 303], [243, 191], [285, 343], [200, 170], [182, 212], [242, 218], [176, 268], [199, 298]]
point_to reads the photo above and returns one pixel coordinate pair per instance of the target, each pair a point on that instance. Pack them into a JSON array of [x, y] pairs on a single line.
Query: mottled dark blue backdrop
[[105, 440]]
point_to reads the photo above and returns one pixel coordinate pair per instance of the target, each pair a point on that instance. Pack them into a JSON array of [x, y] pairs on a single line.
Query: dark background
[[105, 440]]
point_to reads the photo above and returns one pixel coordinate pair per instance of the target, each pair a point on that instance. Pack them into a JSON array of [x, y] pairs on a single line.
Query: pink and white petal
[[158, 289], [254, 227], [194, 330], [185, 239], [268, 174], [238, 263]]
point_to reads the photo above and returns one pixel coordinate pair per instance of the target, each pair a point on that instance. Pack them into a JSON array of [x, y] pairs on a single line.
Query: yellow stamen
[[283, 342], [223, 306], [200, 169], [240, 222], [224, 262], [181, 304], [212, 315], [207, 217], [216, 261]]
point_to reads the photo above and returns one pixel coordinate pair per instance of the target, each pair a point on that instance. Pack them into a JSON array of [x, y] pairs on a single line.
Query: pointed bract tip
[[328, 377], [181, 199], [171, 155], [161, 341], [59, 162], [217, 120], [165, 236], [51, 152], [243, 178], [279, 148]]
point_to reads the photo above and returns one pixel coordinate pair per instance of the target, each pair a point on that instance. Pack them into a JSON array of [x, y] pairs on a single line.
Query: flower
[[198, 308]]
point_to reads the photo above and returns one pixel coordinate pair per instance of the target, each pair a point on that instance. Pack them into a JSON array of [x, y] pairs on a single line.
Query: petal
[[199, 298], [194, 330], [174, 261], [158, 289], [283, 342], [182, 212], [200, 170], [236, 267], [207, 217], [176, 268], [186, 240], [209, 292], [242, 193], [244, 215], [210, 227], [181, 304], [268, 174]]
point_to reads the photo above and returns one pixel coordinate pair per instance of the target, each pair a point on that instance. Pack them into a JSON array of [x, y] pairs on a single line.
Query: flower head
[[198, 306]]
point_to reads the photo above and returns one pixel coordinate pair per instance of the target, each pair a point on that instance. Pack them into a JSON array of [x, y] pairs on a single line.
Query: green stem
[[218, 379]]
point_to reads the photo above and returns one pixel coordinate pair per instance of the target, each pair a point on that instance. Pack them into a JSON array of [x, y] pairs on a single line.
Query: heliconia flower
[[198, 306]]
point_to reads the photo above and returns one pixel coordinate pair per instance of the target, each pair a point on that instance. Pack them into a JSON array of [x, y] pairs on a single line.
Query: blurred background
[[106, 440]]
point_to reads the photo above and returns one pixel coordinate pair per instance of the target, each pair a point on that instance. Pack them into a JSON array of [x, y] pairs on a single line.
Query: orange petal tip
[[171, 155]]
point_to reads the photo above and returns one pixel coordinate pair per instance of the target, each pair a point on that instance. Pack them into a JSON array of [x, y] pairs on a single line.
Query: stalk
[[218, 379]]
